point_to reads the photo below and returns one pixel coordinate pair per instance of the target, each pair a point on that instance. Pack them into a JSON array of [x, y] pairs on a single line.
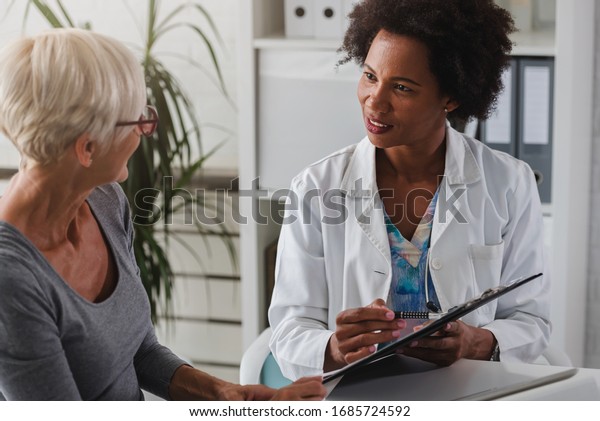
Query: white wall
[[592, 349], [124, 19]]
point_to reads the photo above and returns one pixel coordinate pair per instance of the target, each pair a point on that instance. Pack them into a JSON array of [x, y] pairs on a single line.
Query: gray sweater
[[55, 345]]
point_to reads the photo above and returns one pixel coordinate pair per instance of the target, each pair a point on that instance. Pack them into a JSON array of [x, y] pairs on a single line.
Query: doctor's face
[[399, 96]]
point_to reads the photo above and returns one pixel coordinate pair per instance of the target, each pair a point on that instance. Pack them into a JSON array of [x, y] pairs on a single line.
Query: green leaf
[[202, 69], [205, 41], [170, 16], [211, 23], [65, 14], [45, 10], [188, 173]]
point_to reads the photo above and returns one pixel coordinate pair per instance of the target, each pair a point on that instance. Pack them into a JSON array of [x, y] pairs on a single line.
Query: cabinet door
[[306, 110]]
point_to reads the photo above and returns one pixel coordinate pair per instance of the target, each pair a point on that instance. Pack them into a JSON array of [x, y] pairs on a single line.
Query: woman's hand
[[190, 384], [306, 388], [455, 341], [357, 332]]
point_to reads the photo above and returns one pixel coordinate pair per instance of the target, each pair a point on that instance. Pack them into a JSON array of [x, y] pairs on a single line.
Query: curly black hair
[[468, 43]]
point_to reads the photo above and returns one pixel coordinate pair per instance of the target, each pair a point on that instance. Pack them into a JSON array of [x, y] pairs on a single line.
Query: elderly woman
[[431, 218], [74, 316]]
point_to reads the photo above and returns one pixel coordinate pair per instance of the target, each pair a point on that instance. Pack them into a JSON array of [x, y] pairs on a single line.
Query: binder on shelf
[[329, 19], [299, 18], [499, 131], [521, 125], [536, 115]]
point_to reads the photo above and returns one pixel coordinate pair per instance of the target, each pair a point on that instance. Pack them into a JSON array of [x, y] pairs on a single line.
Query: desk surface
[[400, 378]]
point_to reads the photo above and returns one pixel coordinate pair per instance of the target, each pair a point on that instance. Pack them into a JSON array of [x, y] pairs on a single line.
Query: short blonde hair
[[63, 83]]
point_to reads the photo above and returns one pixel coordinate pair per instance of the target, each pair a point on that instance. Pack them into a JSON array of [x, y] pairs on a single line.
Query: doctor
[[417, 216]]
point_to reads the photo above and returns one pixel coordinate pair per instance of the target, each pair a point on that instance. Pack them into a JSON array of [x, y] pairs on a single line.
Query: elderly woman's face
[[113, 164], [399, 96]]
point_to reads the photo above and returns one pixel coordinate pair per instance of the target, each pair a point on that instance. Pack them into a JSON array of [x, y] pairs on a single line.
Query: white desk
[[405, 379], [583, 386]]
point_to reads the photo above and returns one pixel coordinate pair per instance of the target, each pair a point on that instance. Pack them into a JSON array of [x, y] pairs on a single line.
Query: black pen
[[418, 315]]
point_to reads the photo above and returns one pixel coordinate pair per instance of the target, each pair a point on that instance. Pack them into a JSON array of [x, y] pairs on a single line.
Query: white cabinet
[[274, 113], [306, 110]]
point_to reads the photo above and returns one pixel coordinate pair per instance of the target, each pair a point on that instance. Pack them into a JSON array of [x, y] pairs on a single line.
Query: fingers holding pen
[[378, 303], [368, 325], [359, 330], [376, 313], [361, 314]]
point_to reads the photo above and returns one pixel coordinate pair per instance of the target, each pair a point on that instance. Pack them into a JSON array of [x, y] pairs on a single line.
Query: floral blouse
[[409, 260]]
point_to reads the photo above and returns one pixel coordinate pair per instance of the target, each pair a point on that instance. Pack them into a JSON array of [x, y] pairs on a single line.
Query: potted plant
[[160, 168]]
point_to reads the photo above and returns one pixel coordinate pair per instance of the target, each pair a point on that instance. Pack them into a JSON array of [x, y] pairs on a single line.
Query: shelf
[[531, 43], [534, 43], [279, 41]]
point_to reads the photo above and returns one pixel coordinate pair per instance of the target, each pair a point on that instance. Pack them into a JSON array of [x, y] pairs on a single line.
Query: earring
[[446, 110]]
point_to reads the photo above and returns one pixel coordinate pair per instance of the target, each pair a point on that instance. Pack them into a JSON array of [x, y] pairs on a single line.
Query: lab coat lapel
[[461, 170], [375, 231], [448, 210], [360, 187]]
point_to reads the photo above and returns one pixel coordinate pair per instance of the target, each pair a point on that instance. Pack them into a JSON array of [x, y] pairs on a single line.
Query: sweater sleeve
[[33, 364], [155, 366]]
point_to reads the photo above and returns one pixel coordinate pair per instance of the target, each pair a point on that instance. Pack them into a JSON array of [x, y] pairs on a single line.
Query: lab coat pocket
[[487, 252], [487, 268]]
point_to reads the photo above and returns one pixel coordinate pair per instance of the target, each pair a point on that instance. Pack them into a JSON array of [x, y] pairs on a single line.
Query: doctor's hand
[[357, 333], [455, 341]]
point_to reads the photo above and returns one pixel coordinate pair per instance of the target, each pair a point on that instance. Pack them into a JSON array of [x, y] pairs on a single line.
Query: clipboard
[[453, 314]]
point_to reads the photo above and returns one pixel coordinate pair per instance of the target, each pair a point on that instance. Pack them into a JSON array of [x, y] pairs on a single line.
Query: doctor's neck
[[412, 162]]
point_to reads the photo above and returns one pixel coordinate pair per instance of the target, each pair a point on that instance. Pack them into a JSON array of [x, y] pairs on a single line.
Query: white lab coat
[[487, 231]]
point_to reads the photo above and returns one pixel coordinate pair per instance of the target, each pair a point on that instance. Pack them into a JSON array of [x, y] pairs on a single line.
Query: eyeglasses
[[147, 123]]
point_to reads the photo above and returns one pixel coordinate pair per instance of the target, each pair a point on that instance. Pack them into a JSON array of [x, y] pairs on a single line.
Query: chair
[[258, 365]]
